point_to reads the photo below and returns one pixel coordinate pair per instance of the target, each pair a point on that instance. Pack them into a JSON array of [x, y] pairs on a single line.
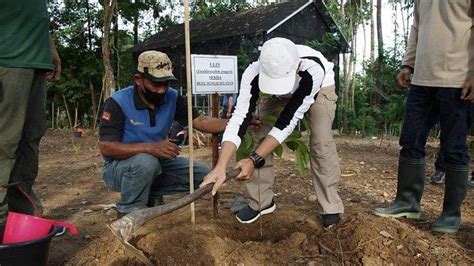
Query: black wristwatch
[[258, 161]]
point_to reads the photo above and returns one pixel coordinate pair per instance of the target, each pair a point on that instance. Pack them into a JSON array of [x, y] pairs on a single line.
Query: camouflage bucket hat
[[156, 66]]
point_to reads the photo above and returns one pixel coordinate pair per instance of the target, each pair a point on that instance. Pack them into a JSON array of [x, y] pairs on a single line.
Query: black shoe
[[411, 174], [438, 177], [329, 220], [155, 201], [248, 215]]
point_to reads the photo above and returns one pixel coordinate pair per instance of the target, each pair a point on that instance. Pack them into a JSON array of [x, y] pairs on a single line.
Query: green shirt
[[24, 34]]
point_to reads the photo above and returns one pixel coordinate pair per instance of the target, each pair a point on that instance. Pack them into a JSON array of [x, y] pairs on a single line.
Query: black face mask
[[151, 97]]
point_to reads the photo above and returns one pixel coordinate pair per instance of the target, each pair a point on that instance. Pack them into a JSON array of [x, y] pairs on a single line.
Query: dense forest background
[[94, 39]]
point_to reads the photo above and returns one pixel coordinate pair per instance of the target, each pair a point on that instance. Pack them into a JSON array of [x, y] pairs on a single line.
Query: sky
[[388, 28]]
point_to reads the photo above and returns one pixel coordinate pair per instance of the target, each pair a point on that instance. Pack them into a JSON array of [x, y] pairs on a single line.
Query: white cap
[[279, 60]]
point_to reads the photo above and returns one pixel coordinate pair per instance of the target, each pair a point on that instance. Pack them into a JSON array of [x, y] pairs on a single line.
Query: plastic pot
[[22, 228], [28, 253]]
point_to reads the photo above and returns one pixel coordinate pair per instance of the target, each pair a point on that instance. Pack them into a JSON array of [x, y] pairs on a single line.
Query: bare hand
[[216, 176], [246, 169], [255, 123], [404, 77], [56, 72], [164, 149], [468, 90]]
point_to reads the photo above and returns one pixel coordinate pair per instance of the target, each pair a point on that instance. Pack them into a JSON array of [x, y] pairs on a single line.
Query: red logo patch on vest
[[106, 116]]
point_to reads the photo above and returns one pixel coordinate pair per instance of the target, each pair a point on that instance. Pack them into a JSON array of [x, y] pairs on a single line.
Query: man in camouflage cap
[[140, 161]]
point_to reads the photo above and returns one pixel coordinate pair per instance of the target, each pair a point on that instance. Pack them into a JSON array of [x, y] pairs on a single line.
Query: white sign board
[[214, 74]]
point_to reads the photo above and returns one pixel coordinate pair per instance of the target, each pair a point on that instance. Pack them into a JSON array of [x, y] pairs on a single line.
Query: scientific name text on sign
[[214, 74]]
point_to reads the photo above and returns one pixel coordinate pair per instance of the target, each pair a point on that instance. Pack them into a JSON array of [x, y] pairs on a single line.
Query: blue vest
[[137, 128]]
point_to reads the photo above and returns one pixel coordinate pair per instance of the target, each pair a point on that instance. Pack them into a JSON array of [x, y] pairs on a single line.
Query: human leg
[[15, 85], [324, 158], [26, 164], [133, 178]]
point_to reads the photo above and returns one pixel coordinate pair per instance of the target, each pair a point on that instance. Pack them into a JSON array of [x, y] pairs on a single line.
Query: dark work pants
[[423, 105]]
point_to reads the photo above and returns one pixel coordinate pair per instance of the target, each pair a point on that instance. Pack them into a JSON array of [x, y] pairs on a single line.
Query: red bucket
[[22, 228]]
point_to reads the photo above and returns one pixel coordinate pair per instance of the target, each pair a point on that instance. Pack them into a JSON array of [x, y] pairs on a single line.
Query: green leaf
[[245, 147], [292, 145], [300, 161], [305, 122], [270, 119], [295, 135], [278, 151]]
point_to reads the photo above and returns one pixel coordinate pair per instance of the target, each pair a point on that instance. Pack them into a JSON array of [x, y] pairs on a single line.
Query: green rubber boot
[[454, 194], [411, 174]]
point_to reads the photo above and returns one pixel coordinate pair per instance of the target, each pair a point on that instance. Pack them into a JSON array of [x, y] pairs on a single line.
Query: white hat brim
[[272, 86]]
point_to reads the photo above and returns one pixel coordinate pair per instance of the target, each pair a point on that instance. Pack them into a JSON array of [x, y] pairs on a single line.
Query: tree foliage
[[370, 102]]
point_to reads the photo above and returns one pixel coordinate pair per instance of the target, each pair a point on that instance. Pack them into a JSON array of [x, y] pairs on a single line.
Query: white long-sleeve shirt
[[314, 72]]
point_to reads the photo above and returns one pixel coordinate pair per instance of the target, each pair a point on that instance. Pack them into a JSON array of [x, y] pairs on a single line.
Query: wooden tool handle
[[125, 226]]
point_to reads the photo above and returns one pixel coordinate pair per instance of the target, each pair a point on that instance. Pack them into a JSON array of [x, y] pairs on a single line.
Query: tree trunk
[[380, 59], [89, 31], [372, 32], [395, 29], [94, 103], [344, 94], [404, 26], [379, 30], [135, 27], [350, 70], [116, 48], [108, 80], [364, 48], [353, 83]]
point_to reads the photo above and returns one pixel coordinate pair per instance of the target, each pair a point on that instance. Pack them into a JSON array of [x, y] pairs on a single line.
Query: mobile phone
[[178, 140]]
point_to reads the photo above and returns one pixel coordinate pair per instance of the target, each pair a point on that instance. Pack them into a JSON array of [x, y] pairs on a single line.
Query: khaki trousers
[[22, 124], [324, 159]]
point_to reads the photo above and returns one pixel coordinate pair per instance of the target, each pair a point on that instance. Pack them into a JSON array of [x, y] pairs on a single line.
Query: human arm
[[56, 72], [468, 90], [237, 126], [408, 63], [230, 106], [209, 124], [297, 106], [468, 86], [202, 123], [119, 150], [404, 76]]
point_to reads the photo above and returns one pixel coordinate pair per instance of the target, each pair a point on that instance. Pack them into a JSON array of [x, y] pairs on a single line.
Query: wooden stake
[[67, 112], [215, 148], [52, 115], [76, 111], [190, 102]]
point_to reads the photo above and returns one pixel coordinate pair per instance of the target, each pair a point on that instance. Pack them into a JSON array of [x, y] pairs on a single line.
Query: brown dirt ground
[[69, 183]]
